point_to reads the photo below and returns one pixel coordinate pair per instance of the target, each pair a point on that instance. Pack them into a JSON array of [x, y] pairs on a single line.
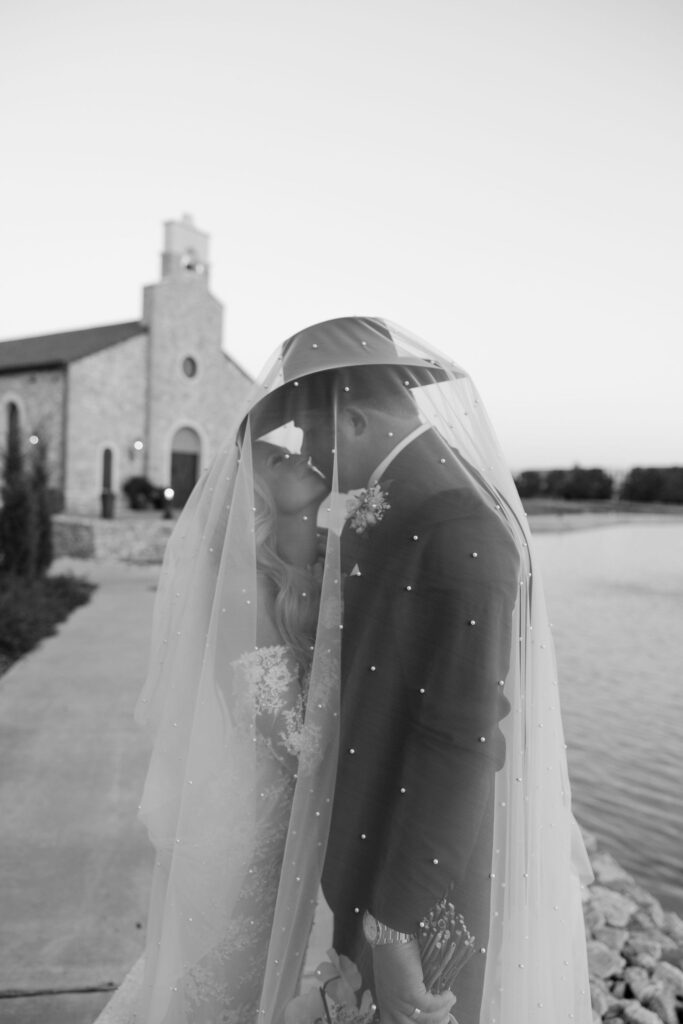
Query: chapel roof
[[60, 349]]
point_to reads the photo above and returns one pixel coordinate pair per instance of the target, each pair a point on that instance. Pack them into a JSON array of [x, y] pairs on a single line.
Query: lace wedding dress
[[266, 700]]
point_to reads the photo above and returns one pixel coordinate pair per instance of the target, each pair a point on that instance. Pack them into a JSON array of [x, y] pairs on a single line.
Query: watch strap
[[379, 934]]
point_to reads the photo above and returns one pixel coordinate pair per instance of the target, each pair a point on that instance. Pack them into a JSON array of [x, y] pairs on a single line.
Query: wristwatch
[[379, 934]]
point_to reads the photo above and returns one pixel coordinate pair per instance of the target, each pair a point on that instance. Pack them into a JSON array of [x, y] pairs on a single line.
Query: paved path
[[75, 864]]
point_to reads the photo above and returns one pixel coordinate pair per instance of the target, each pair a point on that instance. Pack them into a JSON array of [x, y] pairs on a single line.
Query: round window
[[189, 366]]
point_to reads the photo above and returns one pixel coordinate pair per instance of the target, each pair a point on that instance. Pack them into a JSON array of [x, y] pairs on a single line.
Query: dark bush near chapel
[[31, 604], [654, 484], [143, 494]]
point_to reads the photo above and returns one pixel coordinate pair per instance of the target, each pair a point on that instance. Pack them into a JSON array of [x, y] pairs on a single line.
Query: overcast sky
[[504, 178]]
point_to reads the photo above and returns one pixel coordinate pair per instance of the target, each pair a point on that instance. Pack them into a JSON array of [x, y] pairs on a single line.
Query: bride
[[263, 697], [382, 718]]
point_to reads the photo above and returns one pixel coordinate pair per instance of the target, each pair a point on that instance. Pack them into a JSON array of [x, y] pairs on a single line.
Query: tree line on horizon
[[653, 484]]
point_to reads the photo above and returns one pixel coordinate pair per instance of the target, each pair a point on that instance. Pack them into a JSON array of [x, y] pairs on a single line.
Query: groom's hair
[[385, 388]]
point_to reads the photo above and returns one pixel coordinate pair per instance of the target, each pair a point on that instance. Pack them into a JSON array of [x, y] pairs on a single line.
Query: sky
[[503, 177]]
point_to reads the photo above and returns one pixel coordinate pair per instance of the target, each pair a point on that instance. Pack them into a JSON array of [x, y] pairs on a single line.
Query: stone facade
[[153, 398], [106, 409]]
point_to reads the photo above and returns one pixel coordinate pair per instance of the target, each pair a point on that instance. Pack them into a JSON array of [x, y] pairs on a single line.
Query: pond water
[[615, 597]]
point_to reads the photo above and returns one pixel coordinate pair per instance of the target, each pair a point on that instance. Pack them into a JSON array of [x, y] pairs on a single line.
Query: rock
[[637, 980], [603, 962], [673, 926], [600, 997], [671, 975], [609, 871], [642, 921], [674, 956], [612, 937], [593, 917], [617, 909], [659, 998], [645, 960], [634, 1013], [637, 944], [619, 989], [656, 912], [645, 900], [642, 924]]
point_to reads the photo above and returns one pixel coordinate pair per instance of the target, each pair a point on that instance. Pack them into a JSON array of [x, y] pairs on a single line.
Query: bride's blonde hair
[[297, 591]]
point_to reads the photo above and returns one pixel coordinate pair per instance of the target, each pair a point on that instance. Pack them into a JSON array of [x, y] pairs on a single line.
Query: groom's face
[[351, 447], [318, 440]]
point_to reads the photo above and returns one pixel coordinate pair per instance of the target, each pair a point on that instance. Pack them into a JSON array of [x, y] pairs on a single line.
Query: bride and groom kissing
[[369, 707], [430, 579]]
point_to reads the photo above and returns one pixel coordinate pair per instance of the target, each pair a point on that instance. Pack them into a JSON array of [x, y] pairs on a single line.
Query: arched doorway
[[185, 452]]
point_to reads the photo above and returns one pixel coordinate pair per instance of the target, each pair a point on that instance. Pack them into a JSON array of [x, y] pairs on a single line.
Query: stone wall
[[131, 539], [106, 409]]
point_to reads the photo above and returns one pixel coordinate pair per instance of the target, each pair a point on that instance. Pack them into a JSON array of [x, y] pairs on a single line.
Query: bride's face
[[292, 481]]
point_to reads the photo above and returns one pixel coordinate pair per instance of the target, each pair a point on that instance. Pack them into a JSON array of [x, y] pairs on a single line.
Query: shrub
[[141, 493], [41, 511]]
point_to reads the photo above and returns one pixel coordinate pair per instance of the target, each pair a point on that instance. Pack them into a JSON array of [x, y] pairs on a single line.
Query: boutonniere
[[366, 508]]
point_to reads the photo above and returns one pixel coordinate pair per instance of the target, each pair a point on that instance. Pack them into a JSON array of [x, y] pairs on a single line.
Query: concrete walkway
[[75, 864]]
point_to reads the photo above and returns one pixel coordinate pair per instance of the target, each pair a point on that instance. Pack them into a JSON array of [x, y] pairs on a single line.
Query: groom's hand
[[400, 988]]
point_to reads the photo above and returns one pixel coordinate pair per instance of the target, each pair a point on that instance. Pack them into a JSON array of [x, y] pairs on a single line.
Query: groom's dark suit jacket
[[427, 629]]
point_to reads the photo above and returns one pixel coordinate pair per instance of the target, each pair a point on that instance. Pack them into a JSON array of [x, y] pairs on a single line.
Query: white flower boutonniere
[[366, 508]]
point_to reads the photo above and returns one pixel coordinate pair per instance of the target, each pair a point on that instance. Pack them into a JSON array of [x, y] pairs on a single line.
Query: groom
[[431, 581]]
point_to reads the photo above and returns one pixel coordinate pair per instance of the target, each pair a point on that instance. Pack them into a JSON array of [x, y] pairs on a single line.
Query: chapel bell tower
[[185, 361], [186, 251]]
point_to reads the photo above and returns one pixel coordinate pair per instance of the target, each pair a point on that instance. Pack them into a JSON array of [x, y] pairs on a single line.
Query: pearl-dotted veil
[[207, 800]]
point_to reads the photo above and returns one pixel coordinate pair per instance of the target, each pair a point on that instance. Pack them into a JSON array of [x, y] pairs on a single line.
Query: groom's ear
[[354, 420]]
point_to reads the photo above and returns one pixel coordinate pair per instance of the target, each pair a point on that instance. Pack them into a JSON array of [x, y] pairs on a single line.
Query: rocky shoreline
[[635, 947]]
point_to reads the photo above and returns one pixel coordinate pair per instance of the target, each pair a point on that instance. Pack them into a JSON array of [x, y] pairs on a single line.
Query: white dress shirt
[[377, 475]]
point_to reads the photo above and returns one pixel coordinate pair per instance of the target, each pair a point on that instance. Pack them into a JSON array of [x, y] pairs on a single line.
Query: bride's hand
[[400, 988]]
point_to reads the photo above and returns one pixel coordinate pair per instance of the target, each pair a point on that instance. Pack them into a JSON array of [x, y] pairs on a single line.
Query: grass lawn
[[30, 610]]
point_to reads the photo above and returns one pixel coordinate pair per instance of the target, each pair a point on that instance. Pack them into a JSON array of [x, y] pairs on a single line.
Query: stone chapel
[[151, 398]]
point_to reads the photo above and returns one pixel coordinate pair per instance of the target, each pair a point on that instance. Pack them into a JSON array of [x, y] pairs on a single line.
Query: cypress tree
[[18, 533], [41, 510]]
